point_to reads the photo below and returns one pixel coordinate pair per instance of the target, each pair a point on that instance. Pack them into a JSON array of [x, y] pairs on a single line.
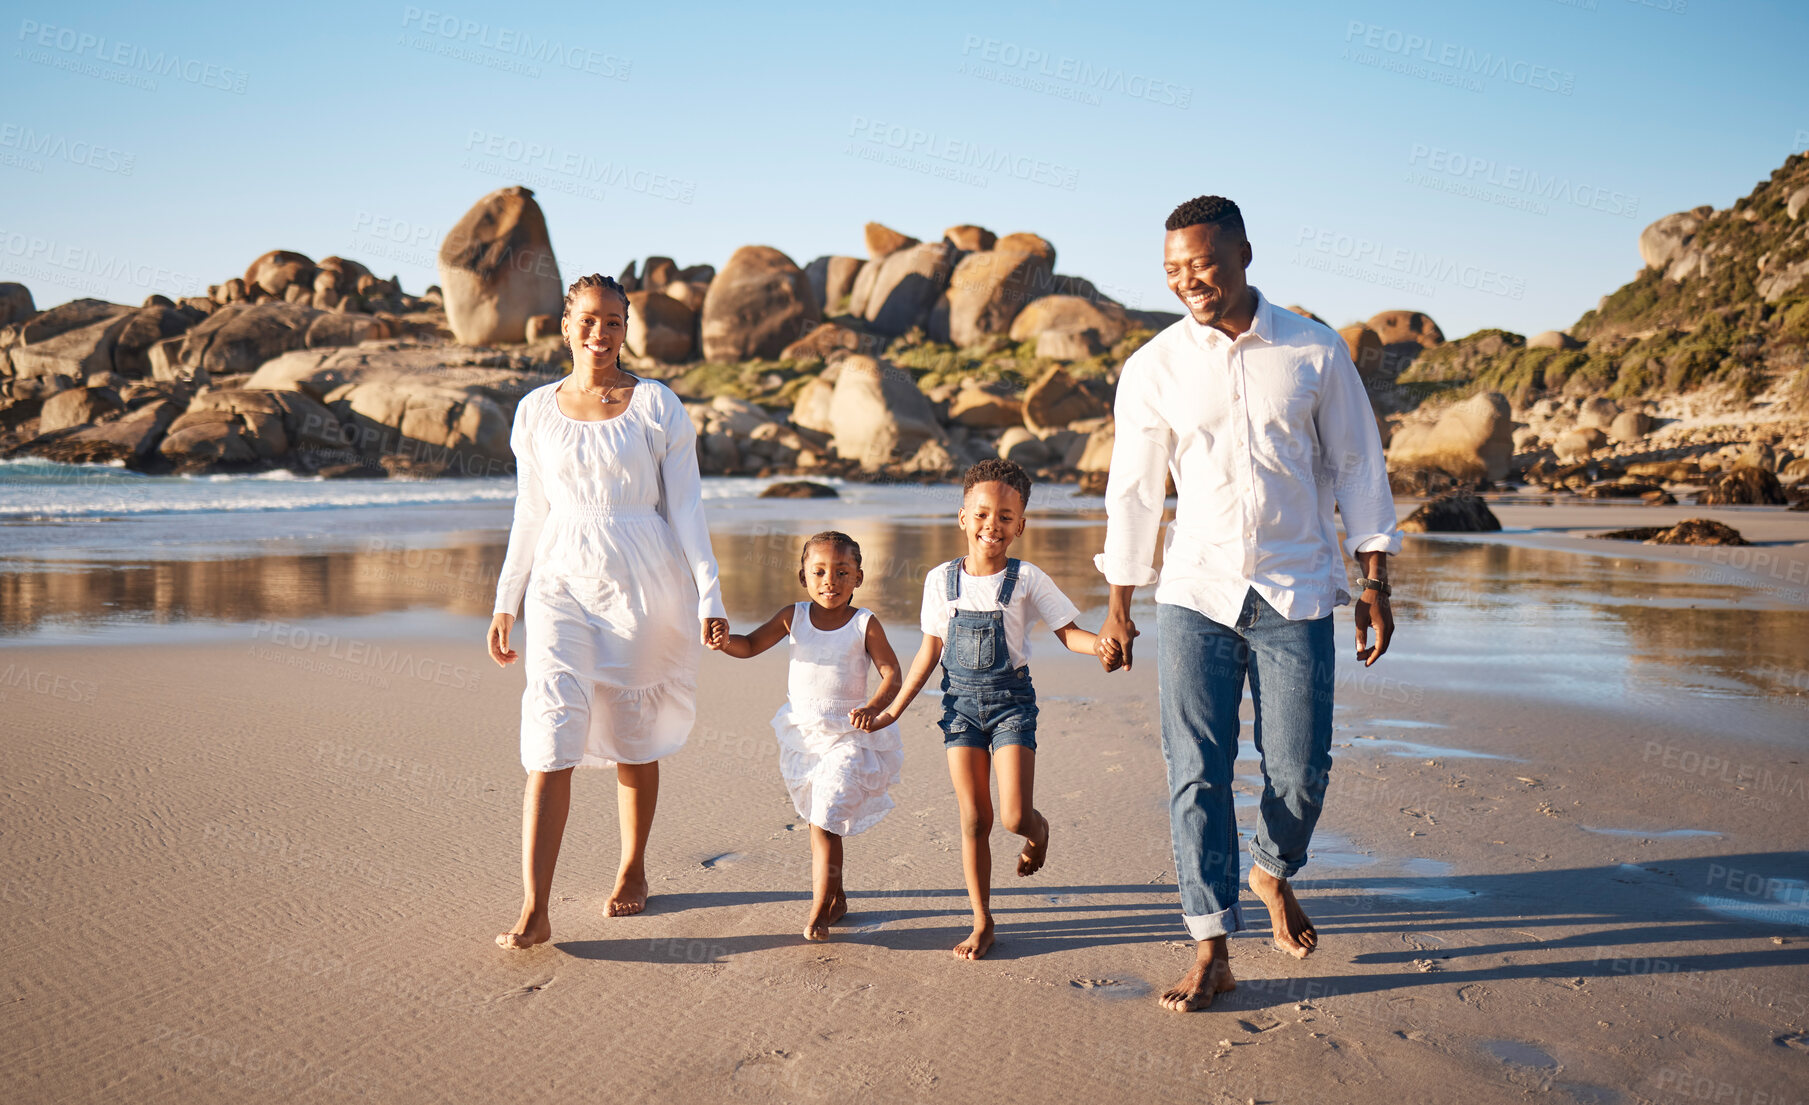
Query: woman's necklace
[[606, 393]]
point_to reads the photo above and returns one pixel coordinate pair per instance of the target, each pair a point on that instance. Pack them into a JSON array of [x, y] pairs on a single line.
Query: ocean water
[[92, 553]]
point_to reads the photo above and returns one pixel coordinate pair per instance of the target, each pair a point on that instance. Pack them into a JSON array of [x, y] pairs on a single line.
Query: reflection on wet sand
[[1509, 611]]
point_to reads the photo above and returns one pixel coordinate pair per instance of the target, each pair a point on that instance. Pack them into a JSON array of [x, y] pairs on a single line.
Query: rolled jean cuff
[[1273, 867], [1222, 923]]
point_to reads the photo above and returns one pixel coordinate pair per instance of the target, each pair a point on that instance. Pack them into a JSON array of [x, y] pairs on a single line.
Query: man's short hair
[[998, 470], [1214, 211]]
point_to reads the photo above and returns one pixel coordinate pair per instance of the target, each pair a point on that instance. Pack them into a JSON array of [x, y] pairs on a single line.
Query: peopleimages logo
[[1457, 59], [1448, 167], [912, 142], [132, 64]]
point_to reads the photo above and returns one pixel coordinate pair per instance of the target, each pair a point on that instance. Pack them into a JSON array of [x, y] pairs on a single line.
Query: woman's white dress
[[838, 775], [610, 550]]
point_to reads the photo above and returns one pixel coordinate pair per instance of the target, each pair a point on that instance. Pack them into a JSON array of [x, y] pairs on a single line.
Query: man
[[1261, 418]]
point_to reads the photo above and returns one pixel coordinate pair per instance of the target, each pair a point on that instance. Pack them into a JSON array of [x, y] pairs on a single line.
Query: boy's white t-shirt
[[1035, 597]]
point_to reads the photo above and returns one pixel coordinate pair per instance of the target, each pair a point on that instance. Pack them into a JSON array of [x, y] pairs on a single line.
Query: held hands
[[497, 639], [1372, 609], [715, 632], [1115, 637], [867, 719]]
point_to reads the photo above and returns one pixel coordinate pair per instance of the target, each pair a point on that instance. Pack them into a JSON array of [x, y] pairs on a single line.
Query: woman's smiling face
[[596, 325]]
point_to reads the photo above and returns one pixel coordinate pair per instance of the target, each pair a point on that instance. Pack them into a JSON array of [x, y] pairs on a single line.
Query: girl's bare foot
[[978, 943], [629, 896], [1293, 933], [1036, 848], [1209, 976], [533, 928], [824, 914]]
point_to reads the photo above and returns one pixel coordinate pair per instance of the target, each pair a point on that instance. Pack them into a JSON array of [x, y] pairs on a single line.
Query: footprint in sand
[[1109, 987], [724, 858], [527, 991], [1798, 1041]]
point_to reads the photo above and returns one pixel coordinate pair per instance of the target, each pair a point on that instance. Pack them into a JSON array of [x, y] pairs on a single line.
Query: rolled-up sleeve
[[682, 503], [1137, 484], [1351, 452], [530, 514]]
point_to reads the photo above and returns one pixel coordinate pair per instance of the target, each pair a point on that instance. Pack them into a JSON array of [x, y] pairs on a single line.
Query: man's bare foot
[[1036, 849], [629, 896], [978, 943], [1293, 933], [822, 915], [1209, 976], [533, 928]]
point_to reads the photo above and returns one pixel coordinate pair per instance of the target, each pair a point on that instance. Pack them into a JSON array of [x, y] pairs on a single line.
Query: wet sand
[[263, 859]]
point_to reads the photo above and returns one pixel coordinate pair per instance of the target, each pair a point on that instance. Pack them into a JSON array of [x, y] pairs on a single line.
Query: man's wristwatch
[[1367, 584]]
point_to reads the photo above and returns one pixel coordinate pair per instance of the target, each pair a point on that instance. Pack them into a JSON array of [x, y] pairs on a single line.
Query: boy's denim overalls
[[986, 703]]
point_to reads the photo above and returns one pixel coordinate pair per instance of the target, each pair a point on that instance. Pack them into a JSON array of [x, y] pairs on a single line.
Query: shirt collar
[[1262, 325]]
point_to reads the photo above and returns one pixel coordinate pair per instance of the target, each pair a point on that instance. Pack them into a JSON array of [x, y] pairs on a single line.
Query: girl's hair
[[836, 539], [596, 280]]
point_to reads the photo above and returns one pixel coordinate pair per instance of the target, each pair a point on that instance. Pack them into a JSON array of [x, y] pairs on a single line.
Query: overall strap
[[1011, 581], [954, 578]]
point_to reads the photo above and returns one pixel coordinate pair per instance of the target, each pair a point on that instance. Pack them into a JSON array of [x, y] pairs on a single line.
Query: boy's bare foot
[[1209, 976], [816, 926], [1036, 849], [1293, 933], [629, 896], [530, 930], [978, 943]]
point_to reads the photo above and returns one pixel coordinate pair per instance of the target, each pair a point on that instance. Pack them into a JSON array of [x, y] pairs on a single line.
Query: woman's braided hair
[[596, 280]]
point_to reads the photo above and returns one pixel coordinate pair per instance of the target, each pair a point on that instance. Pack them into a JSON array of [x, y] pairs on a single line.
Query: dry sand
[[250, 871]]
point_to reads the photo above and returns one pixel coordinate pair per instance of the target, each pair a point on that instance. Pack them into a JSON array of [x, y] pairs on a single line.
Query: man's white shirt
[[1262, 435]]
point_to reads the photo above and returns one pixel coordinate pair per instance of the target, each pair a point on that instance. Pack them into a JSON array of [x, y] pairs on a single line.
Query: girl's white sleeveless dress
[[837, 774], [611, 553]]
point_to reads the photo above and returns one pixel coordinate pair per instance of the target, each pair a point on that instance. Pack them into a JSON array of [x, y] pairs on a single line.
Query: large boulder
[[241, 336], [1365, 347], [423, 421], [862, 288], [1456, 511], [1630, 426], [883, 240], [1395, 327], [979, 409], [825, 340], [78, 407], [837, 282], [1069, 312], [907, 286], [1599, 412], [15, 303], [129, 440], [497, 269], [986, 292], [970, 239], [1553, 339], [275, 271], [689, 293], [144, 328], [76, 340], [1742, 485], [814, 406], [659, 326], [1474, 438], [757, 305], [1573, 445], [1665, 241], [657, 273], [1056, 399], [1096, 456], [878, 413], [1025, 242]]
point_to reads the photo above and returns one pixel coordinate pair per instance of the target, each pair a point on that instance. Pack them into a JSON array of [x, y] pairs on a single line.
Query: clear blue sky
[[1347, 132]]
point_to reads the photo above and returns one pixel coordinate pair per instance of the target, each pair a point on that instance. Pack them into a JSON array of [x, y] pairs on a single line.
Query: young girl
[[836, 761]]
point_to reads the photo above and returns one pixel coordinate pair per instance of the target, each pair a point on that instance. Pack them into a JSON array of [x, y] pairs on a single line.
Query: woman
[[610, 550]]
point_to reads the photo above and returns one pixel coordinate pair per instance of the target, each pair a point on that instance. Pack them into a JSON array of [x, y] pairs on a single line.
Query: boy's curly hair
[[998, 470], [834, 538]]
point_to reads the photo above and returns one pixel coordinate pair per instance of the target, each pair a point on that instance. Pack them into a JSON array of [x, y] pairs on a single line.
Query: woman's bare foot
[[1293, 933], [533, 928], [1209, 976], [1036, 848], [629, 896], [824, 914], [978, 943]]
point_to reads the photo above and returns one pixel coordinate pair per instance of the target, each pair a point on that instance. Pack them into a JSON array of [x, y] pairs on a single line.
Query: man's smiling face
[[1205, 266]]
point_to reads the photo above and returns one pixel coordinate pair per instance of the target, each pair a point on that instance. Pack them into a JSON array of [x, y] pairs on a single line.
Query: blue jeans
[[1202, 666]]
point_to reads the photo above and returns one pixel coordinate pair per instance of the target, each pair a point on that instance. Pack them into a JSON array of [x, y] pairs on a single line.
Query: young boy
[[977, 614]]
